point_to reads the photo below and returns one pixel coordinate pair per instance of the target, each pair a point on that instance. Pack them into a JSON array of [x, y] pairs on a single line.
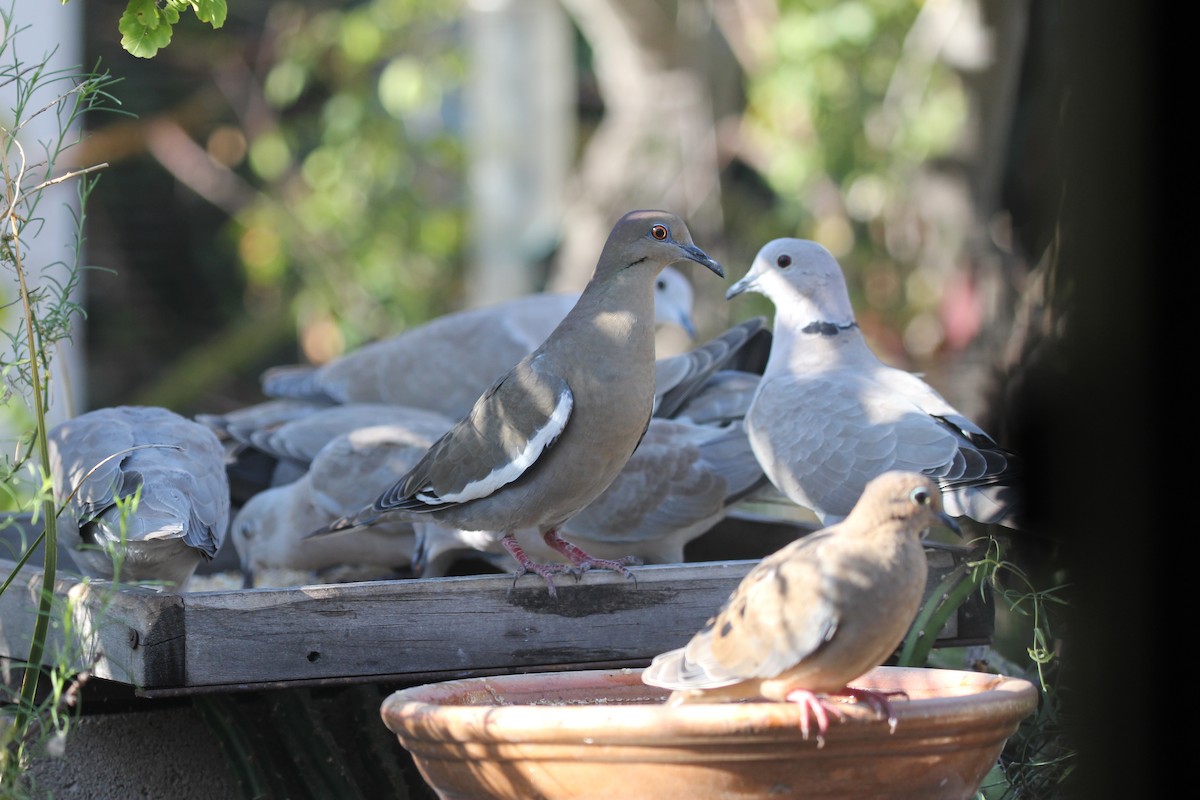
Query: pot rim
[[475, 709]]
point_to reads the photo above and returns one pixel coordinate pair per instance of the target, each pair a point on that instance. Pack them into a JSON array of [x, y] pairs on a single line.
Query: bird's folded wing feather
[[837, 433], [679, 377], [510, 427], [665, 486], [82, 450], [737, 645]]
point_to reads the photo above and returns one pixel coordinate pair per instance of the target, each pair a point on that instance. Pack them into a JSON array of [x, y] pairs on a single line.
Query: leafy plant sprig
[[44, 310]]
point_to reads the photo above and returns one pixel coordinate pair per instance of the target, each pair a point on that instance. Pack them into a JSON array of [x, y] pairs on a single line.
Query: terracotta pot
[[604, 734]]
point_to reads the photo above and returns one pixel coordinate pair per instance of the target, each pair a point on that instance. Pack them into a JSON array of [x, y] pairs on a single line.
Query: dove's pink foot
[[879, 701], [583, 562], [547, 571], [810, 704]]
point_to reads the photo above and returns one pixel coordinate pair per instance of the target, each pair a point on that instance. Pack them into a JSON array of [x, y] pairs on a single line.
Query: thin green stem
[[41, 628]]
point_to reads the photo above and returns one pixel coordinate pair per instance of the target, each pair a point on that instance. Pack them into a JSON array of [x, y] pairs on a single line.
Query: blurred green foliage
[[348, 145], [845, 107], [359, 211]]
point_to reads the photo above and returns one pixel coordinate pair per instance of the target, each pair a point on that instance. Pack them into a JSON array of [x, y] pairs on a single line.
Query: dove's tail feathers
[[680, 669], [992, 504], [294, 381], [362, 519], [664, 670]]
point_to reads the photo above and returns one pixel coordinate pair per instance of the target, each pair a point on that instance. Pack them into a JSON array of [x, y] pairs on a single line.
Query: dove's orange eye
[[659, 232], [784, 261]]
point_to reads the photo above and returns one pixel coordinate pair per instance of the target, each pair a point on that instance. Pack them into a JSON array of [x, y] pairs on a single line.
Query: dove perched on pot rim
[[818, 613]]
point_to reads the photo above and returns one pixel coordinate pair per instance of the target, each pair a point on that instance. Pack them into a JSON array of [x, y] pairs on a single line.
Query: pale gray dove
[[344, 475], [554, 431], [820, 612], [470, 349], [270, 444], [176, 467], [829, 415]]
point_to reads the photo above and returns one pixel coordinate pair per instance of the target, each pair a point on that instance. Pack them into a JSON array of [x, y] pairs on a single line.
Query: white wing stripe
[[510, 471]]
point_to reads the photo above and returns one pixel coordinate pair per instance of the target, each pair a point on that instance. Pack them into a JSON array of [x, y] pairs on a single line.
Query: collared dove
[[829, 415]]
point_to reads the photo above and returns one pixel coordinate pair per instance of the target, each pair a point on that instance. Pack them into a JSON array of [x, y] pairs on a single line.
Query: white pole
[[520, 102], [54, 31]]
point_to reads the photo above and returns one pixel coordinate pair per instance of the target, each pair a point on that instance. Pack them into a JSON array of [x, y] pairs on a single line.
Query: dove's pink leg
[[547, 571], [880, 701], [582, 561], [810, 703]]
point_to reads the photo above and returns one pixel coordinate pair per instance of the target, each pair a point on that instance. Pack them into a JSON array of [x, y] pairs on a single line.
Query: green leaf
[[146, 28], [143, 13], [211, 11]]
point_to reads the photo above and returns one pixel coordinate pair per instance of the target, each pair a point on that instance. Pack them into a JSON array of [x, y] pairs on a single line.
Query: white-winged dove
[[683, 478], [681, 481], [554, 431], [829, 415], [268, 532], [176, 467], [469, 350], [815, 615], [271, 443]]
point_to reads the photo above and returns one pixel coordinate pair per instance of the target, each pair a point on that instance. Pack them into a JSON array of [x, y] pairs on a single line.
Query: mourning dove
[[176, 468], [681, 481], [815, 615], [828, 415], [554, 431], [472, 348], [344, 475]]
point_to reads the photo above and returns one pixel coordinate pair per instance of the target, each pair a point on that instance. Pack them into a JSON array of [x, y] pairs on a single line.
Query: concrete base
[[149, 754], [289, 744]]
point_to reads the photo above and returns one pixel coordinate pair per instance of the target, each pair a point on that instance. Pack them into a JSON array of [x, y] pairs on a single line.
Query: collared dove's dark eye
[[920, 496], [660, 232], [784, 261], [661, 284]]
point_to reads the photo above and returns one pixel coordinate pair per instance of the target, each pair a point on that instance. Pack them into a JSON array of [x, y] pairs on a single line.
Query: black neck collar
[[827, 328]]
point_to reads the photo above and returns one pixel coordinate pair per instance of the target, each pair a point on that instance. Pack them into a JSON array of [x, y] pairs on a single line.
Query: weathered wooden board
[[372, 631]]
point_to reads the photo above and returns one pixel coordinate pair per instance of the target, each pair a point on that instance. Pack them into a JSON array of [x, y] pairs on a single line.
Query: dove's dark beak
[[693, 253]]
